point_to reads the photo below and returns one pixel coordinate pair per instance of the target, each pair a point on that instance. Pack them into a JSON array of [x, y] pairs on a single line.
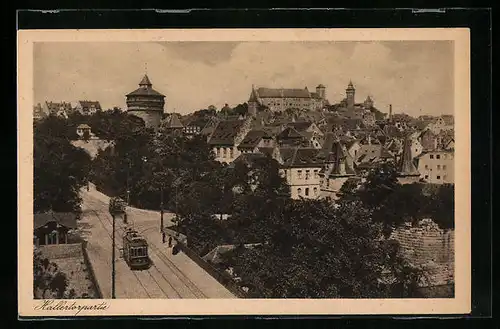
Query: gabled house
[[255, 139], [290, 137], [305, 126], [300, 167], [371, 153], [194, 125], [88, 107], [62, 109], [226, 138]]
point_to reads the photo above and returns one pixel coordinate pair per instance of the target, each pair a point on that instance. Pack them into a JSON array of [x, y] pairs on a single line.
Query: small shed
[[53, 227]]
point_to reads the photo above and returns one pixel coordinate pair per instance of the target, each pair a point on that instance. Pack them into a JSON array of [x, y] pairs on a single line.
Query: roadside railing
[[223, 278], [91, 271]]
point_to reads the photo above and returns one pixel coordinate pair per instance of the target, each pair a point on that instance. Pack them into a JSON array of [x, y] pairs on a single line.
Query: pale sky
[[416, 77]]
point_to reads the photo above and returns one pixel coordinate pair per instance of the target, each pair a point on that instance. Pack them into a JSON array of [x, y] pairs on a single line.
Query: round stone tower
[[146, 103]]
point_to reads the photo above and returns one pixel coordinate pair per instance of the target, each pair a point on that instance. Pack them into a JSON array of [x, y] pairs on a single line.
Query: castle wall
[[431, 247]]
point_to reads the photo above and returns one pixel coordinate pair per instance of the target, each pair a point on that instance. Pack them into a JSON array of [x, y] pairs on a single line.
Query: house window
[[438, 167], [426, 167], [299, 191], [426, 177], [307, 176], [444, 177], [444, 167], [230, 153], [222, 152], [431, 156], [316, 173], [445, 156], [307, 191], [315, 190], [438, 177], [299, 174], [438, 156]]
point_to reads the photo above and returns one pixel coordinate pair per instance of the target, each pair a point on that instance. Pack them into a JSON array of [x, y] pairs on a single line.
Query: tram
[[135, 250]]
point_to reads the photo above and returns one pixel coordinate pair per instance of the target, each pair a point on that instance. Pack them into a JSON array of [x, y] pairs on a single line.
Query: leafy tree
[[320, 250], [60, 169], [47, 278], [441, 205]]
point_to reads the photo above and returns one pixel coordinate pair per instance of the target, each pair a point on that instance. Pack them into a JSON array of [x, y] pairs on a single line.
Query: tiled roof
[[252, 139], [145, 89], [300, 126], [66, 219], [226, 132], [90, 104], [250, 158], [278, 93], [300, 157], [379, 153], [290, 133], [145, 92]]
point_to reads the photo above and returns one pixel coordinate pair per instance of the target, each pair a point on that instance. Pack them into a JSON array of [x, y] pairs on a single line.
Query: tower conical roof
[[406, 166], [350, 85], [174, 122], [145, 81], [253, 95]]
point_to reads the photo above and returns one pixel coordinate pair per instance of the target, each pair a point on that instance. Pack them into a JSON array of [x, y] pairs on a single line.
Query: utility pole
[[161, 209], [113, 296]]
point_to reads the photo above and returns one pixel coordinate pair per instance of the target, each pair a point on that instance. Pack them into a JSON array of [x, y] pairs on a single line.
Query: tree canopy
[[60, 169]]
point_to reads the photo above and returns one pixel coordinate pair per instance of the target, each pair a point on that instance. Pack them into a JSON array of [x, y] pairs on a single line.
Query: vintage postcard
[[243, 172]]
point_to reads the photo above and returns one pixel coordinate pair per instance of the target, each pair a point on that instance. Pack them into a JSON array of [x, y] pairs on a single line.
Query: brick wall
[[431, 247], [57, 251]]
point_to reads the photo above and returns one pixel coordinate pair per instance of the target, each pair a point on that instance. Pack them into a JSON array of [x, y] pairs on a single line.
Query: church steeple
[[350, 91]]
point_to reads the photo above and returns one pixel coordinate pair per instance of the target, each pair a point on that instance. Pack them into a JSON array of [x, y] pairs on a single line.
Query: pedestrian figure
[[170, 241], [163, 237]]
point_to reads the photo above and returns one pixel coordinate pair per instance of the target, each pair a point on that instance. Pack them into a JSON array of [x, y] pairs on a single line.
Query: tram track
[[111, 238], [185, 280], [153, 265]]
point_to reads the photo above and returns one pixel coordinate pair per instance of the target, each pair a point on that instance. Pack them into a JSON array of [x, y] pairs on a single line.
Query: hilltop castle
[[283, 98]]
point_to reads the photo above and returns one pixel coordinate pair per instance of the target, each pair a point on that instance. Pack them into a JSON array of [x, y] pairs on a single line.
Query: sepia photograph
[[234, 168]]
